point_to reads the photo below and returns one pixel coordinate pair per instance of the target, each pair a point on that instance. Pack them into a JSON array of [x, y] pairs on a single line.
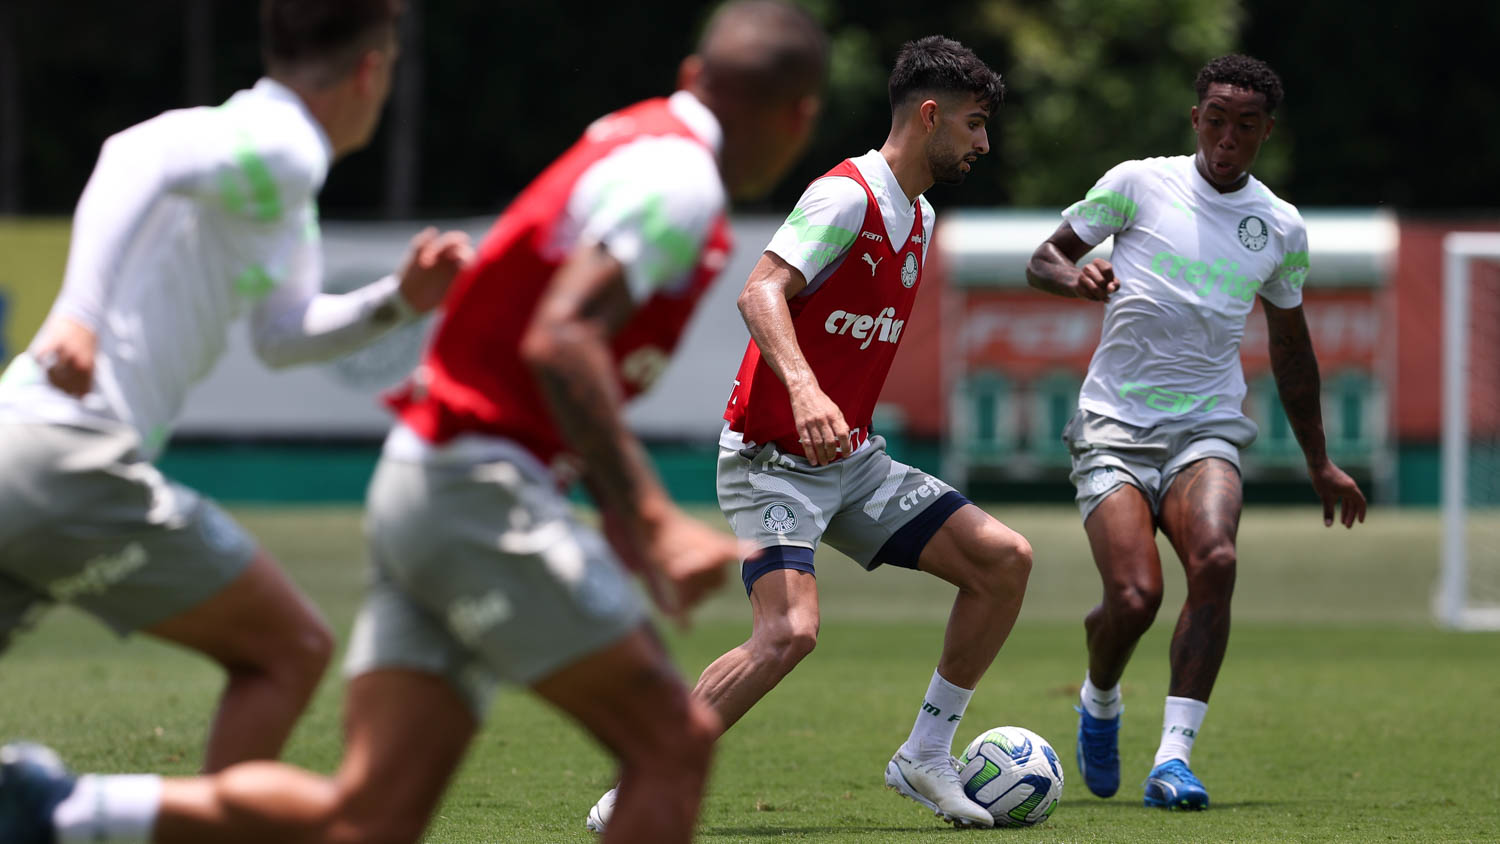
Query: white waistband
[[407, 446]]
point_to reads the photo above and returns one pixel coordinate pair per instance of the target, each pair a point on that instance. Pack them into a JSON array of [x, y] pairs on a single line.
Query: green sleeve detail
[[807, 233], [254, 283], [249, 190], [1106, 207], [1294, 269], [675, 245]]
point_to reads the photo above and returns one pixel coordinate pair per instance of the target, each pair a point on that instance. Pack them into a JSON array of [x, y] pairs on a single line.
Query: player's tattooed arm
[[1297, 381], [567, 346], [1054, 269]]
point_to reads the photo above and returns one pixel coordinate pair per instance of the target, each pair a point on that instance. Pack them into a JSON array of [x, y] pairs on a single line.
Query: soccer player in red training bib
[[798, 464], [1156, 440], [480, 572]]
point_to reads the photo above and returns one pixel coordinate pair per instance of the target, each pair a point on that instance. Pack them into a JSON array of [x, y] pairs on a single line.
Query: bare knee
[[1212, 569], [297, 658], [1133, 602], [999, 562], [785, 643]]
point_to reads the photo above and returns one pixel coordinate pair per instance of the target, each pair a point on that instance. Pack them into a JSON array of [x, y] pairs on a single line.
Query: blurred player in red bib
[[480, 572]]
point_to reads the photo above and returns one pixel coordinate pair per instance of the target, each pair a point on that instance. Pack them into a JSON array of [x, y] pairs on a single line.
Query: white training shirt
[[830, 214], [189, 219], [652, 202], [1190, 262], [827, 219]]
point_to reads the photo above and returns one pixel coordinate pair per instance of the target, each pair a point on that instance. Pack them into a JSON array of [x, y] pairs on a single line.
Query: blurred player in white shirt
[[189, 220], [480, 571]]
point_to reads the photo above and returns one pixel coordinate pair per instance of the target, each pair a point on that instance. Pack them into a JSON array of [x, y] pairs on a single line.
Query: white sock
[[1100, 703], [1179, 728], [938, 719], [113, 809]]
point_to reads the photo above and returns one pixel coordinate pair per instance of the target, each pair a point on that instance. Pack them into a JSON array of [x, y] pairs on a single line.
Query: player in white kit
[[1156, 438], [189, 220]]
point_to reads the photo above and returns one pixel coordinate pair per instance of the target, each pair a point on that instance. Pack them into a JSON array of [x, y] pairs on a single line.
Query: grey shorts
[[869, 506], [1107, 453], [86, 521], [482, 574]]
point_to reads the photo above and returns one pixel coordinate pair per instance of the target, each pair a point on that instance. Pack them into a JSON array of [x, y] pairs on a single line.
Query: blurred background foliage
[[1386, 103]]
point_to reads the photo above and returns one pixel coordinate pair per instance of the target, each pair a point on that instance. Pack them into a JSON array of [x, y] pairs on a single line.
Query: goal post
[[1467, 596]]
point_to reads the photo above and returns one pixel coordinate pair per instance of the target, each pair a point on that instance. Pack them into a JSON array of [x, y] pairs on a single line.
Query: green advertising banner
[[35, 253]]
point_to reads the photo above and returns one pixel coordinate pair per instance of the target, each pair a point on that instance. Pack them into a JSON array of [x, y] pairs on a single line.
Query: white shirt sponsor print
[[100, 573], [883, 327]]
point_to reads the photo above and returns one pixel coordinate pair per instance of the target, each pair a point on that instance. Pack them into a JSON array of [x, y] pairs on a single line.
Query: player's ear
[[929, 113], [804, 113], [1270, 124], [366, 73], [1193, 118], [689, 73]]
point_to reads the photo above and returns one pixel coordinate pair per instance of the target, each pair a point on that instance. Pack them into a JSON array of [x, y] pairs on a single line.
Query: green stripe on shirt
[[265, 200], [1102, 199], [809, 233]]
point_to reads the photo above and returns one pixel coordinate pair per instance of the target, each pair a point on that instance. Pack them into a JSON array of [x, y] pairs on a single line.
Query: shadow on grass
[[709, 833], [1123, 805]]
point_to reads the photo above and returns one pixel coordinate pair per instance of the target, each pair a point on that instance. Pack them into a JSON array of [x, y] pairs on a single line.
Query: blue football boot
[[1099, 752], [32, 782], [1171, 785]]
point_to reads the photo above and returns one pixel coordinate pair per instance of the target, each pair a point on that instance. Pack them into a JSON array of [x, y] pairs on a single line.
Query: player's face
[[784, 131], [1231, 124], [374, 87], [960, 136]]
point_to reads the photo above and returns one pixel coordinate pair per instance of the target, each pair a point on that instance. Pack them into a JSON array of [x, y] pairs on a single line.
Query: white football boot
[[599, 815], [934, 783]]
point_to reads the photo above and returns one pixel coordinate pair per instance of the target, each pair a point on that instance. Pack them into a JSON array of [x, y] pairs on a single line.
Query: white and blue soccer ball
[[1014, 773]]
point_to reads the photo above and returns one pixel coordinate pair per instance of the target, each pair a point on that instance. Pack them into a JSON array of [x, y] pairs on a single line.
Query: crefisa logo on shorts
[[778, 517], [1254, 233]]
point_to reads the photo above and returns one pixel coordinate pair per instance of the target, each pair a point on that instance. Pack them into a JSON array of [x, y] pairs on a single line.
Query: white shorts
[[1107, 453], [481, 574], [85, 520]]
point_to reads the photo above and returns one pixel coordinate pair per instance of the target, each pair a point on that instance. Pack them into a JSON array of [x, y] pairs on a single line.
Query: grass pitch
[[1340, 714]]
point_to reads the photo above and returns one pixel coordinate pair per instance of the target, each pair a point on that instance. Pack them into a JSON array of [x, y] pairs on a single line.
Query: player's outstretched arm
[[820, 424], [1297, 381], [567, 347], [1054, 269], [298, 324]]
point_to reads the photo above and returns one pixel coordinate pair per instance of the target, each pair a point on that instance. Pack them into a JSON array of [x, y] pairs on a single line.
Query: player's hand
[[1337, 489], [684, 561], [1096, 280], [430, 266], [821, 428], [66, 353]]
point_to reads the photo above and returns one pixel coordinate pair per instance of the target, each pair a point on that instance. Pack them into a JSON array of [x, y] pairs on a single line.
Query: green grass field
[[1341, 715]]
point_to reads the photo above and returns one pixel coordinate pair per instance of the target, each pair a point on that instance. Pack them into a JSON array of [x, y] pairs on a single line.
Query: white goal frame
[[1451, 605]]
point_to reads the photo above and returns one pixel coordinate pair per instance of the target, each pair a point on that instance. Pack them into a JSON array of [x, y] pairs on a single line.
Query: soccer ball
[[1014, 773]]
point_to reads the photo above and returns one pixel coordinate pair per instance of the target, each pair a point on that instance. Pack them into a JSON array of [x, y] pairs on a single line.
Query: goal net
[[1468, 589]]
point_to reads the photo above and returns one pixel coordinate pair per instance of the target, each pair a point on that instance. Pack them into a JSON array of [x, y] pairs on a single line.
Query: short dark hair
[[1240, 71], [764, 50], [942, 65], [328, 35]]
